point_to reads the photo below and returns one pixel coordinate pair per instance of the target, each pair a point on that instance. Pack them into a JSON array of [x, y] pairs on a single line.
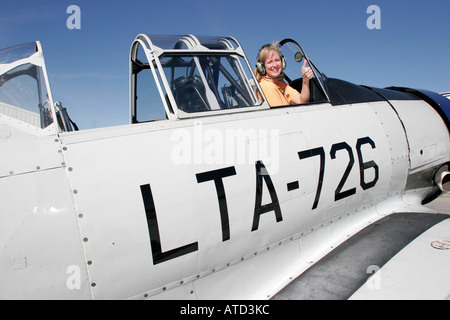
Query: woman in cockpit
[[269, 72]]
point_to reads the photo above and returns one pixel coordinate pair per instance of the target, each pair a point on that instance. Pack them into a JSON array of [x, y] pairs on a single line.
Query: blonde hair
[[263, 53]]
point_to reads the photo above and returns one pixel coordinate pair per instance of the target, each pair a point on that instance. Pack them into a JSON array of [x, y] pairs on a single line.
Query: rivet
[[70, 169], [89, 262], [146, 295], [80, 215], [11, 172], [192, 292], [93, 284], [85, 239], [64, 148], [38, 167], [164, 288], [75, 191]]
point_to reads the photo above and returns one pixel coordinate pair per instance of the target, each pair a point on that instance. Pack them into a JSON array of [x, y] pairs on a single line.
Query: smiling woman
[[269, 69]]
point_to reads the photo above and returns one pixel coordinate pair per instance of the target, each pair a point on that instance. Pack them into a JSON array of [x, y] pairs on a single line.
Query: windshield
[[23, 93], [295, 58], [23, 96], [208, 82], [189, 75], [15, 53]]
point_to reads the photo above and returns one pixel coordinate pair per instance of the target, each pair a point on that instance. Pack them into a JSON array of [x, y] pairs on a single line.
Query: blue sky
[[88, 68]]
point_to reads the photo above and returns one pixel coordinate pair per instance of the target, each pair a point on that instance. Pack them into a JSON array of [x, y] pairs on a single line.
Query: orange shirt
[[277, 95]]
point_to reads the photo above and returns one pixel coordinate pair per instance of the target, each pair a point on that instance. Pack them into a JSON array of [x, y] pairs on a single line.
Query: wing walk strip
[[343, 271]]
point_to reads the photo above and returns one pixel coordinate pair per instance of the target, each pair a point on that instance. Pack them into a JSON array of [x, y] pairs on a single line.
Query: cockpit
[[176, 77], [171, 77], [185, 76]]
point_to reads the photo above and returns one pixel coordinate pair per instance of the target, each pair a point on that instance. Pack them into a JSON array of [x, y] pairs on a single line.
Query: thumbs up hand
[[307, 72]]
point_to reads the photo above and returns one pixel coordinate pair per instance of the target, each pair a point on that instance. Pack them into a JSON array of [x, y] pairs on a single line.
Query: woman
[[269, 72]]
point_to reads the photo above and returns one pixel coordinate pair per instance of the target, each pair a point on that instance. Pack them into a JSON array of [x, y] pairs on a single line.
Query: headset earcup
[[262, 70], [260, 67]]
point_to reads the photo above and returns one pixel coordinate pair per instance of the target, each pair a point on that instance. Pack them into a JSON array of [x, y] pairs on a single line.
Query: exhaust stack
[[442, 180]]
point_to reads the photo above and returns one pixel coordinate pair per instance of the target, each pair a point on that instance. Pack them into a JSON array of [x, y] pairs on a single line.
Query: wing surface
[[347, 268]]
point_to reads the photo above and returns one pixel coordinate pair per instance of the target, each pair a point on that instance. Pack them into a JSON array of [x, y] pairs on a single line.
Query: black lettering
[[217, 176], [366, 165], [338, 195], [311, 153], [153, 230], [261, 173]]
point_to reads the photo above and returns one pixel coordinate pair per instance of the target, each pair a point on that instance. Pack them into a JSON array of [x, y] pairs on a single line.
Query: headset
[[260, 64]]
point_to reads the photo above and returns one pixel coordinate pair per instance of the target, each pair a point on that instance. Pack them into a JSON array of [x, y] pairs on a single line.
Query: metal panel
[[399, 149], [27, 152], [426, 132], [185, 165], [41, 252]]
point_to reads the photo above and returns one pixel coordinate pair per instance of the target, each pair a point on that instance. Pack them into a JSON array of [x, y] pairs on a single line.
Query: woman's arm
[[304, 96]]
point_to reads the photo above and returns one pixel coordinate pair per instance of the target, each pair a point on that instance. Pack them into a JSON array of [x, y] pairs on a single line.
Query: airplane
[[208, 192]]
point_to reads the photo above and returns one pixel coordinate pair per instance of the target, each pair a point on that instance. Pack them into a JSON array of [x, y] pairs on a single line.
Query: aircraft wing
[[428, 279], [398, 257]]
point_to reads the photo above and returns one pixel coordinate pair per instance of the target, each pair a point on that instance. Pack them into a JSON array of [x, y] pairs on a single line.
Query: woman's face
[[273, 64]]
